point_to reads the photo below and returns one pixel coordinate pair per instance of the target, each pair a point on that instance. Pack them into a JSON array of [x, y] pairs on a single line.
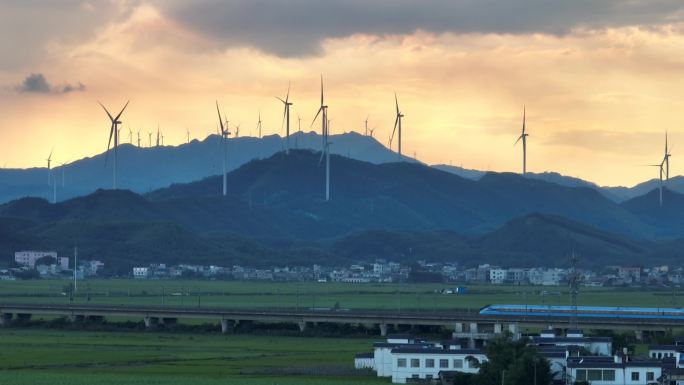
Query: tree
[[519, 361]]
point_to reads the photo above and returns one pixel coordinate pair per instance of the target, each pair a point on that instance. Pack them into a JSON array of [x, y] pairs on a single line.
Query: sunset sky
[[602, 80]]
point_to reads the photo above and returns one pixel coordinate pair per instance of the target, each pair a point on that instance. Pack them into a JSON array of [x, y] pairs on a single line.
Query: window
[[635, 376], [650, 376], [609, 375], [581, 375], [428, 376], [443, 363], [458, 363], [415, 363], [401, 362], [594, 375], [429, 363], [415, 376]]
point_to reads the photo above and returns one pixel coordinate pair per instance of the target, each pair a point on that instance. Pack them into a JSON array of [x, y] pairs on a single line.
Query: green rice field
[[55, 357], [290, 295]]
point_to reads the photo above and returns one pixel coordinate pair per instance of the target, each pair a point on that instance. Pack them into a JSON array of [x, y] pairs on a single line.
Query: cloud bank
[[37, 83]]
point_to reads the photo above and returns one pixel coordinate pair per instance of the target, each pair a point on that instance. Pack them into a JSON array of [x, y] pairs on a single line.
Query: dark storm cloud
[[297, 27], [38, 84]]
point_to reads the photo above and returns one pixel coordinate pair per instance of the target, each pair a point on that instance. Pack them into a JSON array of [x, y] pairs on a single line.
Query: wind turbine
[[371, 131], [130, 135], [259, 124], [397, 124], [366, 122], [114, 131], [49, 159], [224, 136], [237, 131], [660, 169], [158, 134], [149, 138], [523, 136], [323, 111], [187, 131], [286, 117], [666, 160], [299, 130], [139, 137]]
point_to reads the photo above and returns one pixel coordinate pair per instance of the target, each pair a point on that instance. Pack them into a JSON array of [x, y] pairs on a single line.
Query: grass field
[[37, 356], [274, 295]]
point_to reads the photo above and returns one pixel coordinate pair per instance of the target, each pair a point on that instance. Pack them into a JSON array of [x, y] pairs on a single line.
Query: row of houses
[[573, 358]]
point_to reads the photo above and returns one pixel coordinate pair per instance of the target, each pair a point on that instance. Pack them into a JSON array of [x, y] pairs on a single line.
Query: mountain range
[[144, 169], [275, 214]]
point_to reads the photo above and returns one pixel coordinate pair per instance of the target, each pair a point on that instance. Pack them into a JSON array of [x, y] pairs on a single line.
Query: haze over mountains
[[275, 214], [148, 168]]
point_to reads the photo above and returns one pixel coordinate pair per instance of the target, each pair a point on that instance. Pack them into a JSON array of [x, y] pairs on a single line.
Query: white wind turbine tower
[[286, 117], [224, 137], [323, 111], [397, 124], [149, 138], [523, 136], [666, 160], [49, 160], [299, 130], [259, 124], [114, 131], [660, 170], [187, 131], [130, 135]]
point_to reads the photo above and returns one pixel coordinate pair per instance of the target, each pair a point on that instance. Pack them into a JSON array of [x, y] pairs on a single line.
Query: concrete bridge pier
[[228, 325], [151, 322], [5, 319], [24, 317], [77, 318], [458, 327], [302, 326], [498, 328], [639, 334], [383, 329]]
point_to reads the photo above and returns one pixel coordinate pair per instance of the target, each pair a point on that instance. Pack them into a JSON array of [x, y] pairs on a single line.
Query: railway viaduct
[[464, 324]]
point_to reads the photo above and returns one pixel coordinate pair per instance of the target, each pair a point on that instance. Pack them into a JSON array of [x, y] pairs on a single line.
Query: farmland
[[290, 295]]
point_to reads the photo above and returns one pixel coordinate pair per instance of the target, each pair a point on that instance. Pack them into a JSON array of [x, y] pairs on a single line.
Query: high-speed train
[[583, 311]]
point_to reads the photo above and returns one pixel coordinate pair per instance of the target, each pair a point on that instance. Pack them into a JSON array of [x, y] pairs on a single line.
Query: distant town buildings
[[29, 258]]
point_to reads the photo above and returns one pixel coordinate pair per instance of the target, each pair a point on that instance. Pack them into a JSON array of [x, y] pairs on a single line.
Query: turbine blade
[[219, 117], [516, 142], [280, 99], [315, 117], [287, 96], [122, 110], [396, 101], [396, 122], [104, 108]]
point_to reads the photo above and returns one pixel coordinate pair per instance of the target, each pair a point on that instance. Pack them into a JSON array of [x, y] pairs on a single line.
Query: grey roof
[[437, 351], [364, 355]]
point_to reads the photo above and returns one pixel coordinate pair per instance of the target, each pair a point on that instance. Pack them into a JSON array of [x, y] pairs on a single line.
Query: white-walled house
[[426, 363], [602, 346], [616, 370], [663, 351]]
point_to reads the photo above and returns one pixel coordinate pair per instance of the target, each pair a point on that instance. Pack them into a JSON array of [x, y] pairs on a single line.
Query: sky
[[601, 80]]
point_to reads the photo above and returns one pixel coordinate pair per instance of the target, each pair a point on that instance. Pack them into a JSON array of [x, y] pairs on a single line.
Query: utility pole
[[503, 377], [75, 266], [574, 279]]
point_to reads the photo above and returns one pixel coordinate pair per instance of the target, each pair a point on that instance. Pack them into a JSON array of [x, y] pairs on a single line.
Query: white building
[[602, 346], [411, 363], [497, 276], [141, 272], [663, 351], [28, 258], [614, 370]]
